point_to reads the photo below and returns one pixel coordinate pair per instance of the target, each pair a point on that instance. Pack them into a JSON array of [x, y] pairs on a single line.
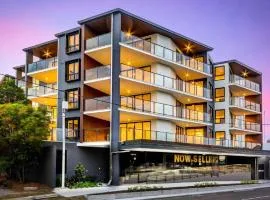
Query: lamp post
[[64, 107]]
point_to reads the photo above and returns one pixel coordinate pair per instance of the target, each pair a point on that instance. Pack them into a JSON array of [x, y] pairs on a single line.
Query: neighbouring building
[[146, 104]]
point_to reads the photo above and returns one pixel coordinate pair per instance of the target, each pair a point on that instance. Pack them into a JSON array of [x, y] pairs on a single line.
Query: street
[[249, 194]]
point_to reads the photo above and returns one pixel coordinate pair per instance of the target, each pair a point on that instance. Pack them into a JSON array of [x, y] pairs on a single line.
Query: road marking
[[261, 197]]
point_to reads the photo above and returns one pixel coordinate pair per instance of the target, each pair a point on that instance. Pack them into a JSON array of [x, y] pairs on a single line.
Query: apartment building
[[145, 104]]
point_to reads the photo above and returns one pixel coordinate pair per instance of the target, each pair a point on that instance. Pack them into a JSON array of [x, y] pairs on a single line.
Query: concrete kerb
[[125, 188]]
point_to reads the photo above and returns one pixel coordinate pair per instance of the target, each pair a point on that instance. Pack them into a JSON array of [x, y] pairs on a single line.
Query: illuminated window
[[220, 117], [195, 135], [72, 126], [195, 112], [219, 73], [135, 131], [73, 70], [220, 94], [72, 97], [220, 135], [73, 42]]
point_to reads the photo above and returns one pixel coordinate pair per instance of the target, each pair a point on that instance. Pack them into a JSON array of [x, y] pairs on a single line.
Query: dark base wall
[[95, 160]]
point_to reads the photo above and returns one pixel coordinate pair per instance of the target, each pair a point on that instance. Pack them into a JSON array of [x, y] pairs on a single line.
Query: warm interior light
[[186, 74], [128, 34], [244, 94], [188, 100], [245, 73], [47, 53], [46, 78], [128, 91], [129, 63], [188, 47]]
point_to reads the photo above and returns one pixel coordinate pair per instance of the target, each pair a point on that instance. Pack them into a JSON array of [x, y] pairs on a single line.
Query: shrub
[[249, 182], [205, 184], [84, 184], [143, 188], [80, 172]]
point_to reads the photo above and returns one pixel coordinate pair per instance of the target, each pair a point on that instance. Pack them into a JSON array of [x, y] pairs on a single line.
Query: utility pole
[[64, 107]]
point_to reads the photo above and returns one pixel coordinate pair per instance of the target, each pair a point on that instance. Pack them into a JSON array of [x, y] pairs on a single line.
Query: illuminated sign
[[186, 158]]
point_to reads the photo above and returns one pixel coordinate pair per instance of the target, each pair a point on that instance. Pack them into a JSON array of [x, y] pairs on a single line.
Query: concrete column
[[115, 97], [29, 60]]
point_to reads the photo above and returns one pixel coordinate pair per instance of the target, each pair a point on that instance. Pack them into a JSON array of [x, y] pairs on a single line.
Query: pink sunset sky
[[236, 29]]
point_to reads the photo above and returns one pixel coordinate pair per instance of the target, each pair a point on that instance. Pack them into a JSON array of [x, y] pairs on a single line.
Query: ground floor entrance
[[154, 167]]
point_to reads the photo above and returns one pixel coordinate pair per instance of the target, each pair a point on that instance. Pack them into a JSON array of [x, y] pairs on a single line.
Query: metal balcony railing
[[140, 105], [130, 134], [242, 103], [167, 54], [42, 90], [245, 82], [43, 64], [245, 125], [150, 78], [153, 48], [98, 41]]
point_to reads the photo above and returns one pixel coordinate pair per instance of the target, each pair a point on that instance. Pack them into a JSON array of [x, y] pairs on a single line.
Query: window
[[72, 97], [73, 42], [73, 70], [220, 135], [72, 126], [195, 135], [219, 73], [220, 117], [135, 131], [220, 94], [195, 112]]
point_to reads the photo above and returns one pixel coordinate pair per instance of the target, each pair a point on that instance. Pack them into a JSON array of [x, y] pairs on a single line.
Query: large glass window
[[135, 131], [195, 135], [73, 42], [72, 126], [72, 97], [220, 94], [73, 70], [220, 117], [195, 112], [219, 73]]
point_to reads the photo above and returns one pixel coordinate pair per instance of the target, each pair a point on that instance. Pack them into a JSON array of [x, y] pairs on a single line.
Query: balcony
[[45, 95], [240, 106], [239, 126], [137, 134], [133, 109], [136, 81], [243, 87], [44, 70], [142, 53]]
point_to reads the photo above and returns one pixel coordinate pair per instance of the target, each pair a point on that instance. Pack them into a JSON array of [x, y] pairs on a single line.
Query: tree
[[10, 93], [22, 131]]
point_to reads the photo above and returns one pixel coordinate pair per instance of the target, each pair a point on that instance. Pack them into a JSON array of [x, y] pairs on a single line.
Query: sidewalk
[[109, 190]]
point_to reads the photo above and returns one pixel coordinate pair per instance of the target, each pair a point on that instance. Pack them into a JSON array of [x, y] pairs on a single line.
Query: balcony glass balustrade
[[43, 64], [245, 125], [145, 106], [245, 82], [42, 90], [150, 78], [242, 103], [130, 134], [152, 48]]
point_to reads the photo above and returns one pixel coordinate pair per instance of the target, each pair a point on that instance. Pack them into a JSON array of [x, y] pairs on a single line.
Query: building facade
[[146, 104]]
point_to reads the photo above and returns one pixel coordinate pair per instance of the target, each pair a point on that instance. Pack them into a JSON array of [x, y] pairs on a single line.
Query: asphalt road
[[249, 194]]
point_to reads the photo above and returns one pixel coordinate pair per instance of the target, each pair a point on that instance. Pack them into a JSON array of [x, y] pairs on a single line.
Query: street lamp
[[64, 107]]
